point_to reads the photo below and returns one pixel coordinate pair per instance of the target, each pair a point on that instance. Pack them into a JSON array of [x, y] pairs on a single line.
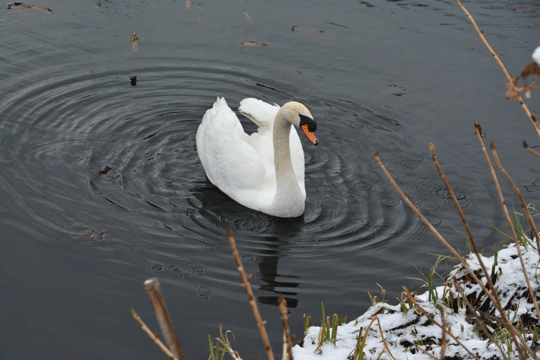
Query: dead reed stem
[[153, 289], [437, 234], [509, 80], [521, 198], [152, 335], [454, 198], [512, 330], [532, 293], [493, 297], [478, 320], [287, 340], [252, 302], [443, 342], [465, 223], [383, 339], [424, 312]]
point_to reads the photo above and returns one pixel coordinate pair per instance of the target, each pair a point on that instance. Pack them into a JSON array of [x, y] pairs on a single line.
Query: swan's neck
[[288, 196]]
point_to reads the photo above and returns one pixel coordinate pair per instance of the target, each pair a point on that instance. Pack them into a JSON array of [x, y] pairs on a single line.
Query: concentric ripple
[[89, 151]]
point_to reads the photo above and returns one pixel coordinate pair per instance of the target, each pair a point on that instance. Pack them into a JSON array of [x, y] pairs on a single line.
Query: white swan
[[263, 171]]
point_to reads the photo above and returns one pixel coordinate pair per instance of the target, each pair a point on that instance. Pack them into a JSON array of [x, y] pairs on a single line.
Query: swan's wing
[[229, 160], [261, 113]]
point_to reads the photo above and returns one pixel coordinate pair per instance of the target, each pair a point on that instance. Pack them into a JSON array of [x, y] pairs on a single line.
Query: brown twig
[[521, 198], [526, 146], [532, 293], [383, 339], [478, 320], [509, 81], [443, 342], [424, 312], [465, 223], [287, 340], [437, 234], [492, 297], [153, 289], [252, 302], [152, 335], [513, 332]]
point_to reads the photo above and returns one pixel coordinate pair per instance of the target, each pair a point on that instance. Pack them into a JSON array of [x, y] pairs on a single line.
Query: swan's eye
[[306, 120]]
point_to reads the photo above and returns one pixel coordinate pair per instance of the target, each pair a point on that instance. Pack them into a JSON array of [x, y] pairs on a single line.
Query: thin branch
[[287, 341], [153, 289], [383, 339], [252, 302], [466, 224], [509, 81], [152, 335], [521, 198], [532, 293], [424, 312], [443, 344], [439, 236], [478, 320], [493, 298], [513, 333], [424, 351]]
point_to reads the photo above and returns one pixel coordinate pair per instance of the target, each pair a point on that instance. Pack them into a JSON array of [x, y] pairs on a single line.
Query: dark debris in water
[[394, 90], [21, 5], [306, 31], [89, 233], [109, 173], [133, 80]]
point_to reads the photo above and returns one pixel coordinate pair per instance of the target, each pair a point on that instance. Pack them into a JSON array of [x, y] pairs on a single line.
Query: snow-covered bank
[[401, 326]]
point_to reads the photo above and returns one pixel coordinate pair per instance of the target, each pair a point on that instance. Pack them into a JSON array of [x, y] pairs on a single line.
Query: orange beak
[[309, 134]]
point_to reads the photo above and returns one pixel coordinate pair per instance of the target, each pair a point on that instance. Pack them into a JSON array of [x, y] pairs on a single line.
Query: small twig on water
[[163, 317], [152, 335], [252, 302]]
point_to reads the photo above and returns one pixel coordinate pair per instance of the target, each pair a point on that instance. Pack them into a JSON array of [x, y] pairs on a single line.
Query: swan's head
[[300, 117]]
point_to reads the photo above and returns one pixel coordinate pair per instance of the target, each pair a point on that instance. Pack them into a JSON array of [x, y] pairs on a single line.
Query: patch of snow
[[401, 330]]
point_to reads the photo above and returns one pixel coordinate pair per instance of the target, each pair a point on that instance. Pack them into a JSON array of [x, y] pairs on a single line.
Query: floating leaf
[[252, 43], [394, 90], [109, 173], [21, 5]]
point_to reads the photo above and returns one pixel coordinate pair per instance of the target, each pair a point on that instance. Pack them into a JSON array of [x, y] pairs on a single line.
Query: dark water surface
[[77, 244]]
